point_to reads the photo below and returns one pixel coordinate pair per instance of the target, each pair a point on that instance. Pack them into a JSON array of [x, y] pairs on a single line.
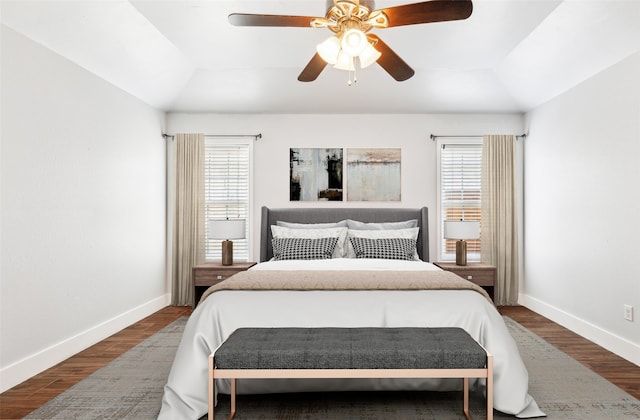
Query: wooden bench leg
[[490, 387], [233, 398], [212, 392], [465, 392], [211, 389]]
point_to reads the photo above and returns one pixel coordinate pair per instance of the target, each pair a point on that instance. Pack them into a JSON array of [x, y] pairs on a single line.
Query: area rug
[[130, 387]]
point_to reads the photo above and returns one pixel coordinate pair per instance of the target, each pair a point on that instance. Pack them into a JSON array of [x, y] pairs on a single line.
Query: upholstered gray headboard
[[325, 215]]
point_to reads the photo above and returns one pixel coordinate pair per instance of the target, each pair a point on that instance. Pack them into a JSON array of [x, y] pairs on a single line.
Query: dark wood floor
[[617, 370], [31, 394], [22, 399]]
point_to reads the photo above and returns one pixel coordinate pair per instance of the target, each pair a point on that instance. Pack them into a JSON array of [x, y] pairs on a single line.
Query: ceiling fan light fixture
[[350, 21], [353, 42], [368, 56], [344, 62], [329, 49]]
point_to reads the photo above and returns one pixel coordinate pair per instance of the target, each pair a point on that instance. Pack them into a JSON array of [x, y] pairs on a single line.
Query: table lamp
[[226, 229], [460, 230]]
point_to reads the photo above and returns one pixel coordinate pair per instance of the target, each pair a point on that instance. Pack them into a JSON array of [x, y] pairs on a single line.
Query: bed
[[339, 290]]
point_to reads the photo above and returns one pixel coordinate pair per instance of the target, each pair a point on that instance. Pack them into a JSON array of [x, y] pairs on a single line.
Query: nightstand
[[207, 274], [484, 275]]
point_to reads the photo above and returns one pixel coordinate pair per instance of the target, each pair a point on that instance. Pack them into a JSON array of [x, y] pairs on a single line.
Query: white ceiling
[[182, 55]]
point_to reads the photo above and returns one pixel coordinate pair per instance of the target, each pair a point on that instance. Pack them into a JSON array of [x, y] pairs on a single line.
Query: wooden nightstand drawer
[[479, 277], [210, 277], [484, 275], [207, 274]]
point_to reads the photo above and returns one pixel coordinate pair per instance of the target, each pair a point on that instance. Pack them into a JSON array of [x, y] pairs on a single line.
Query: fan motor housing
[[371, 4]]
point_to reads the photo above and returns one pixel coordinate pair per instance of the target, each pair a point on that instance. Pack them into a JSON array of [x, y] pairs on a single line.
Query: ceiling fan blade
[[391, 62], [247, 19], [428, 11], [313, 69]]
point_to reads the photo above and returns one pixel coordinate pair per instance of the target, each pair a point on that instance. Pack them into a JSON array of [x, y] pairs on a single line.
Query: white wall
[[582, 208], [281, 132], [83, 209]]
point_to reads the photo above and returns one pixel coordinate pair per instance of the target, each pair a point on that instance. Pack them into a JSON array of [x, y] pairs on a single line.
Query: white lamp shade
[[368, 56], [226, 229], [345, 62], [329, 49], [353, 42], [461, 229]]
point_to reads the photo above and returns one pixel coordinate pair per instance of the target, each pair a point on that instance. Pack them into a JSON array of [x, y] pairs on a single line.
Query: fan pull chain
[[355, 79]]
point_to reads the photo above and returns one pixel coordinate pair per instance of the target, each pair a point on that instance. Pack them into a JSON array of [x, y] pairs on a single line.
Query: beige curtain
[[499, 232], [188, 230]]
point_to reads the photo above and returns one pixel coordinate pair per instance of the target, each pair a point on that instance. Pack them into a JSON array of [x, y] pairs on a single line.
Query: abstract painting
[[373, 174], [315, 174]]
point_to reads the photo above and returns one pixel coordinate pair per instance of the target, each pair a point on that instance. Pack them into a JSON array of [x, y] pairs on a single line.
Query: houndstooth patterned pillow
[[303, 248], [384, 248]]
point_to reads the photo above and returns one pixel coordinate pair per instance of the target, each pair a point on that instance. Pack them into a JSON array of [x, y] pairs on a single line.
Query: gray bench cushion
[[350, 348]]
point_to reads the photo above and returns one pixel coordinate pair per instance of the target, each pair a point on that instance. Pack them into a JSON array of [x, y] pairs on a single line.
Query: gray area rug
[[130, 387]]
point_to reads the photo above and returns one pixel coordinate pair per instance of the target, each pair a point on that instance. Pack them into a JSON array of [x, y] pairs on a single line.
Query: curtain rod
[[256, 137], [435, 136]]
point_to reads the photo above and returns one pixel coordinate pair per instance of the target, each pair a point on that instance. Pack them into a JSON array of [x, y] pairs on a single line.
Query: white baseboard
[[24, 369], [615, 344]]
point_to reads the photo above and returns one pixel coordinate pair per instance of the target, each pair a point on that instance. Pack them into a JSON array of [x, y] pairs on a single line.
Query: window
[[227, 190], [459, 191]]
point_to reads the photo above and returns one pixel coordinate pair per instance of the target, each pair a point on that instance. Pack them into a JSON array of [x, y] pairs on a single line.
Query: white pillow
[[354, 224], [339, 232], [341, 223], [411, 233]]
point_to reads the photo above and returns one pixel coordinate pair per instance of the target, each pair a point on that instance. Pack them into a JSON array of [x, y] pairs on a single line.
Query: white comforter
[[185, 394]]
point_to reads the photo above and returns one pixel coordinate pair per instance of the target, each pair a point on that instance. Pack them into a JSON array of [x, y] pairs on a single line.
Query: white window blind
[[227, 191], [460, 171]]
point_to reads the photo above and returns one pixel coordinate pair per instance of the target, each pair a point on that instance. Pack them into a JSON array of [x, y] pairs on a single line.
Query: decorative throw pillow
[[384, 248], [303, 248], [340, 232], [411, 233]]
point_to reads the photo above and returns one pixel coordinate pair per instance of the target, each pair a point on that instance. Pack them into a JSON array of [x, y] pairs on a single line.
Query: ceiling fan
[[351, 20]]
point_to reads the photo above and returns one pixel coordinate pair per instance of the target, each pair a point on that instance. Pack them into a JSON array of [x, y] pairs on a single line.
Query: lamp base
[[461, 252], [227, 252]]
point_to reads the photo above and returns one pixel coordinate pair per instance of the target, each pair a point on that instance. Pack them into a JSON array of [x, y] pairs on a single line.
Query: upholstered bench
[[351, 353]]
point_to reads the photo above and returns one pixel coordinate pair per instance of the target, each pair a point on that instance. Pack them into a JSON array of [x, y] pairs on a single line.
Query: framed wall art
[[315, 174], [373, 174]]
